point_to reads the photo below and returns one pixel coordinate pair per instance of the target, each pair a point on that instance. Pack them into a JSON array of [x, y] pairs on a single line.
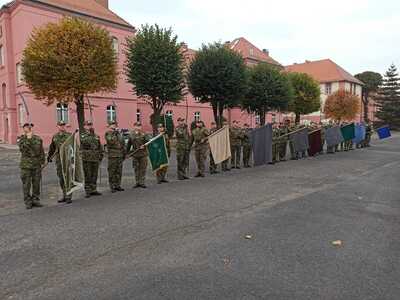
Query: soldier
[[275, 144], [136, 143], [183, 141], [246, 143], [31, 164], [213, 166], [162, 173], [368, 134], [200, 134], [116, 154], [92, 155], [236, 136], [54, 151], [282, 144], [224, 164]]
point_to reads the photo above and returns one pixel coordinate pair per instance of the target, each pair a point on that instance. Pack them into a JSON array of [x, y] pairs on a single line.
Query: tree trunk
[[366, 108], [262, 117], [297, 121], [215, 113], [220, 115], [80, 111]]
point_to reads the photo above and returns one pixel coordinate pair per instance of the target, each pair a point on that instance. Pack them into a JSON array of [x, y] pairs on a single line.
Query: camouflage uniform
[[236, 136], [32, 159], [183, 142], [368, 135], [275, 145], [293, 154], [140, 156], [246, 143], [162, 173], [54, 151], [213, 166], [282, 144], [116, 154], [92, 155], [200, 147]]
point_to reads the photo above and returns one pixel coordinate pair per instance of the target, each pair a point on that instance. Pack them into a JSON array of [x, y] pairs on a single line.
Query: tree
[[388, 98], [268, 89], [65, 61], [307, 95], [155, 67], [372, 81], [217, 75], [342, 106]]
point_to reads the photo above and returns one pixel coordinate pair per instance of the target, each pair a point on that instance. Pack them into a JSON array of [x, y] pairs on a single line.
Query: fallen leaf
[[337, 243]]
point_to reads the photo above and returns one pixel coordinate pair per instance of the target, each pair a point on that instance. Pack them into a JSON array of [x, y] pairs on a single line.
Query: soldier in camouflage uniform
[[246, 143], [116, 154], [213, 166], [283, 140], [162, 173], [32, 160], [200, 134], [275, 145], [136, 144], [92, 155], [54, 151], [225, 163], [368, 135], [183, 144], [236, 137]]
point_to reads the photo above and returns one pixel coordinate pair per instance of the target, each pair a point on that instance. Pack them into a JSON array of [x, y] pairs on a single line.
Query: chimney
[[266, 51], [103, 3]]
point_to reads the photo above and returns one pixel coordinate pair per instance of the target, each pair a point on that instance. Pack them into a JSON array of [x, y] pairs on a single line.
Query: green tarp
[[348, 132], [158, 154]]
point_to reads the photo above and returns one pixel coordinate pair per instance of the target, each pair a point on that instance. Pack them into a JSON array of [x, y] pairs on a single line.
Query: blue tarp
[[384, 132], [360, 133]]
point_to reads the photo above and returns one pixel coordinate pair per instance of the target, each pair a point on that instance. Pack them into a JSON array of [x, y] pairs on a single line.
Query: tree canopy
[[155, 67], [372, 81], [388, 98], [307, 95], [268, 89], [342, 106], [217, 75], [65, 61]]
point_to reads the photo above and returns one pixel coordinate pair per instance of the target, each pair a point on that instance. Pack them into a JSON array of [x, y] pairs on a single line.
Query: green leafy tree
[[388, 98], [65, 61], [217, 75], [372, 81], [155, 67], [268, 89], [307, 95]]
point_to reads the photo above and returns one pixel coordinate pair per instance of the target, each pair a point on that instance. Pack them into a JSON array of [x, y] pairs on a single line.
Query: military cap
[[88, 123], [28, 125], [61, 123]]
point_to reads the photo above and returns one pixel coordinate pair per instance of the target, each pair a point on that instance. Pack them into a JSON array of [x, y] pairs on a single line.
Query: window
[[251, 52], [115, 45], [197, 116], [19, 74], [1, 55], [169, 113], [273, 118], [138, 116], [258, 119], [328, 88], [62, 113], [111, 113], [21, 114], [4, 94]]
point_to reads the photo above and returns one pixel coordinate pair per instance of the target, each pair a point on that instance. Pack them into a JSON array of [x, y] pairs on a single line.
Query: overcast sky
[[359, 35]]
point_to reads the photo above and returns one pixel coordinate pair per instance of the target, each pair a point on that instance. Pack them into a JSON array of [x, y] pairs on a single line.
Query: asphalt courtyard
[[320, 228]]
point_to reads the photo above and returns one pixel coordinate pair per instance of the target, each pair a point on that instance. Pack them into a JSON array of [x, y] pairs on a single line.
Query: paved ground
[[186, 240]]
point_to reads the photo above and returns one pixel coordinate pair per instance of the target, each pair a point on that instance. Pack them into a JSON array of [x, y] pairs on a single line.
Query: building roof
[[89, 8], [323, 71], [251, 52]]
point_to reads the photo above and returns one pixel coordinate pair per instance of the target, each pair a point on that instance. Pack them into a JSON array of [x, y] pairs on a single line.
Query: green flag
[[71, 163], [348, 132], [158, 154]]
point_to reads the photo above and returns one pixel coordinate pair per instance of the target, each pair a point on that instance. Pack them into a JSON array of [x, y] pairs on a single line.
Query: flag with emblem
[[158, 154], [71, 164]]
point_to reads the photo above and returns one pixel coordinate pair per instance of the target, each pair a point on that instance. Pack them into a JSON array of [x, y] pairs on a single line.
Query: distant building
[[331, 78]]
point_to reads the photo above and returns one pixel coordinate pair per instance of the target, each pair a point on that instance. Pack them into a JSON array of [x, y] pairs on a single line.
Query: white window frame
[[197, 116], [328, 88], [115, 45], [258, 119], [62, 112], [251, 51], [21, 114], [111, 113], [169, 113], [18, 69]]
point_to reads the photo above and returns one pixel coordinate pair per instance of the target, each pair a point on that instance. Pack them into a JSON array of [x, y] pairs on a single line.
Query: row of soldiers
[[117, 149]]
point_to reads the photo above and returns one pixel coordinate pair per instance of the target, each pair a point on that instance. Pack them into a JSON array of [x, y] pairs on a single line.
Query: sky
[[359, 35]]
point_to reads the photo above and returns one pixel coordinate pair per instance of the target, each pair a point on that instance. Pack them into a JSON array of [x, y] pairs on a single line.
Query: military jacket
[[91, 147], [115, 144], [183, 140], [32, 152], [199, 136], [246, 140], [136, 140], [58, 139], [236, 136]]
